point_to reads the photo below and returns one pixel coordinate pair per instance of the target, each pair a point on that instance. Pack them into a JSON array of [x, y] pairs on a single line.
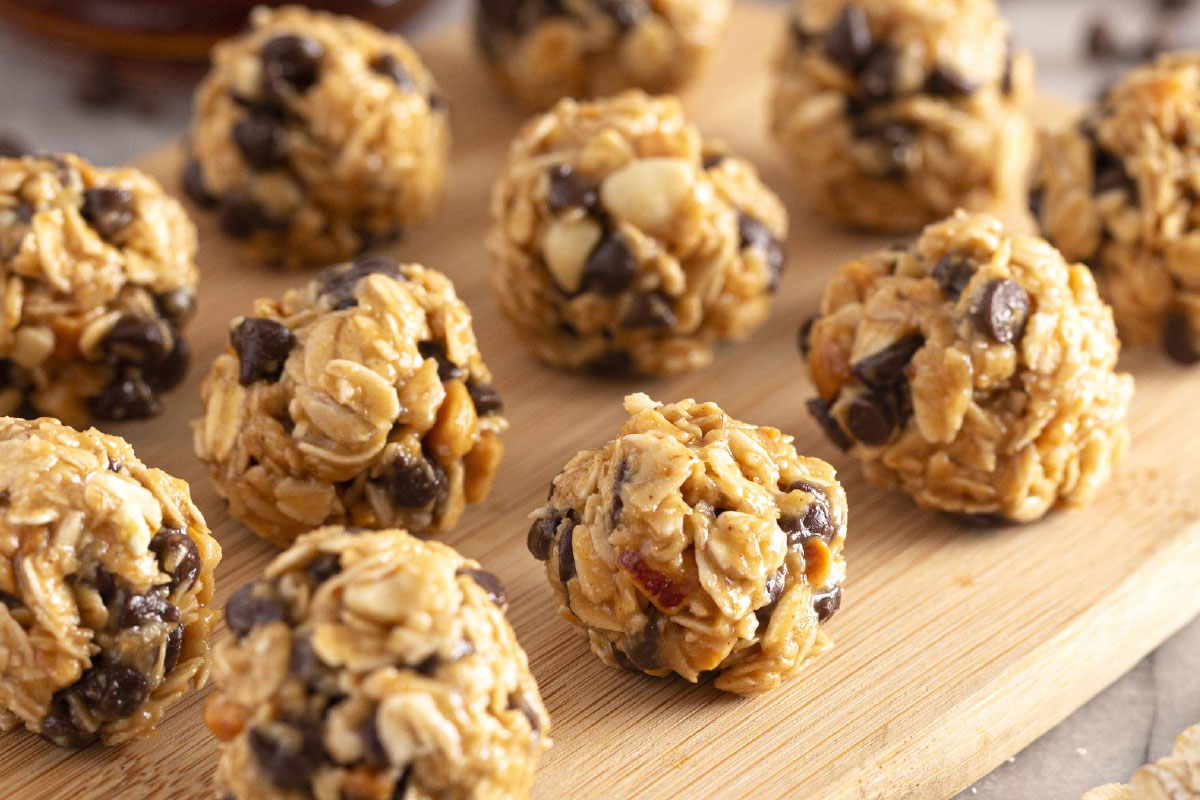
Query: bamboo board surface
[[955, 646]]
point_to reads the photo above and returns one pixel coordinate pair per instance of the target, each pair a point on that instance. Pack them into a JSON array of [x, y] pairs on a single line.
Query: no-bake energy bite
[[316, 137], [106, 572], [1118, 192], [698, 545], [974, 370], [544, 50], [97, 280], [895, 113], [359, 398], [623, 241], [371, 666]]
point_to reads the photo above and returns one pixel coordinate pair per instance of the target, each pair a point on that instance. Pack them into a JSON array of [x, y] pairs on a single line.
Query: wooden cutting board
[[955, 646]]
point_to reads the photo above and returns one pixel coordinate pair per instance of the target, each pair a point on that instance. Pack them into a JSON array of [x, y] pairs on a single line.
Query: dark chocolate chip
[[59, 728], [896, 139], [870, 419], [113, 465], [24, 213], [136, 341], [489, 582], [101, 87], [612, 363], [827, 603], [626, 13], [147, 608], [804, 334], [1100, 43], [447, 369], [650, 310], [262, 141], [387, 65], [1109, 172], [521, 703], [877, 78], [262, 346], [820, 412], [172, 649], [1035, 200], [10, 601], [617, 503], [292, 59], [485, 397], [848, 40], [568, 189], [196, 187], [414, 484], [889, 366], [8, 373], [324, 567], [953, 273], [713, 160], [816, 521], [178, 557], [801, 36], [753, 233], [108, 210], [566, 552], [241, 216], [11, 146], [113, 689], [251, 606], [1001, 311], [610, 267], [947, 81], [541, 536], [176, 306], [774, 585], [338, 283], [125, 397], [1179, 340], [170, 372], [287, 759]]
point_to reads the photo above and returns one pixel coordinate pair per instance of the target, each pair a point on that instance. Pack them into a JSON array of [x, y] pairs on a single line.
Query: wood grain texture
[[955, 646]]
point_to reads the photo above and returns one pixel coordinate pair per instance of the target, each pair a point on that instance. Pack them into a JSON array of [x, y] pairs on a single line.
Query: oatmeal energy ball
[[623, 241], [316, 137], [360, 398], [1119, 192], [97, 280], [106, 570], [696, 544], [369, 666], [973, 370], [543, 50], [897, 112]]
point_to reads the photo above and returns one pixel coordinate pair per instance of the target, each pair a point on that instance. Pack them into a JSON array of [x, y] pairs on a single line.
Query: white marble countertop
[[1133, 721]]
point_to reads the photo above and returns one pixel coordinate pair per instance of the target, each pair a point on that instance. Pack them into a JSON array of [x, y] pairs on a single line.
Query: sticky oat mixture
[[974, 370], [622, 240], [897, 112], [359, 398], [316, 137], [106, 572], [696, 544], [371, 666]]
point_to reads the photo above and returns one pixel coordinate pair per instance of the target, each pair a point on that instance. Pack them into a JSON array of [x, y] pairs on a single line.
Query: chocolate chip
[[287, 754], [610, 267], [1179, 340], [612, 363], [101, 87], [170, 372], [947, 81], [566, 553], [819, 410], [125, 397], [324, 567], [541, 536], [24, 213], [1035, 200], [338, 283], [953, 273], [489, 582], [176, 306], [848, 40], [262, 141], [59, 727], [1001, 311], [113, 465], [877, 77], [889, 366], [753, 233], [305, 664], [251, 606], [896, 139], [292, 59], [649, 310], [568, 189], [414, 484], [8, 373], [11, 146], [626, 13], [642, 648], [262, 346], [816, 521], [801, 36], [1110, 174], [173, 648], [870, 419], [713, 160], [774, 585], [137, 341], [389, 66], [178, 557], [460, 649], [827, 603], [241, 216], [113, 689], [147, 608], [438, 103], [804, 334], [485, 397], [1100, 43], [195, 186], [374, 752], [108, 210], [521, 703], [447, 369]]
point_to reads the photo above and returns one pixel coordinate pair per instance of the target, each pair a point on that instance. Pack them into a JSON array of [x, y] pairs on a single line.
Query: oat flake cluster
[[370, 666], [1118, 192], [974, 370], [623, 241], [316, 137], [106, 570], [97, 280], [897, 112], [696, 544]]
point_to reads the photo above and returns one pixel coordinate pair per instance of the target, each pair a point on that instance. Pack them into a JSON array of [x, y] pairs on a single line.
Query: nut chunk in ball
[[897, 113], [370, 666], [1119, 192], [97, 279], [696, 544], [974, 370], [360, 398], [315, 137], [544, 50], [106, 570], [623, 241]]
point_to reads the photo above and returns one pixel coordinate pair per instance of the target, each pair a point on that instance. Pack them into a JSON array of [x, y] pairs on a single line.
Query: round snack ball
[[974, 370], [623, 241], [1118, 192], [897, 113], [544, 50], [316, 137], [369, 666], [698, 545], [360, 398], [98, 278], [106, 570]]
